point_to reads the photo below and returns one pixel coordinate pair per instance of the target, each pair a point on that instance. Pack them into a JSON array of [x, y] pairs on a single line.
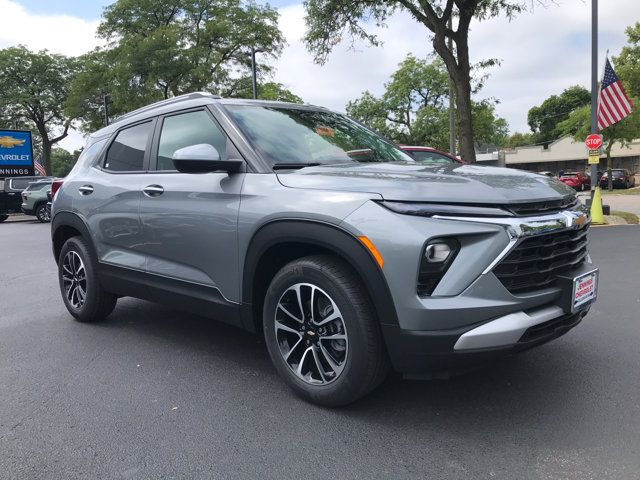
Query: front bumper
[[27, 211], [433, 354], [471, 317]]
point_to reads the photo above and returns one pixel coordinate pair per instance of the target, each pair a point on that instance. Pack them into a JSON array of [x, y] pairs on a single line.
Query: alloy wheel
[[311, 334], [74, 279]]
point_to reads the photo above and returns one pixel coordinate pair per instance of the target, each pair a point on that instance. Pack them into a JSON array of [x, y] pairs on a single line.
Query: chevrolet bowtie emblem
[[10, 142], [311, 333]]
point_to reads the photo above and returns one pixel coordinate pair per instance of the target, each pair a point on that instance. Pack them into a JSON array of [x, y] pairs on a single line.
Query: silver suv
[[349, 256]]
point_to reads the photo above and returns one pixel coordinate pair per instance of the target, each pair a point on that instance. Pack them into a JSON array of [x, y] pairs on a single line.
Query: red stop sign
[[593, 141]]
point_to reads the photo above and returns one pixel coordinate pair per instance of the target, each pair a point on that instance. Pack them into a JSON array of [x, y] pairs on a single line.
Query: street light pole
[[594, 86], [105, 101], [254, 82]]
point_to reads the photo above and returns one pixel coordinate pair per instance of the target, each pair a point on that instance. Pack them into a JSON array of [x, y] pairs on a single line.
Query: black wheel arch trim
[[73, 220], [325, 235]]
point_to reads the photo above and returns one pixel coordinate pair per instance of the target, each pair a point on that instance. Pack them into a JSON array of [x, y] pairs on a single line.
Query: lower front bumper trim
[[506, 330]]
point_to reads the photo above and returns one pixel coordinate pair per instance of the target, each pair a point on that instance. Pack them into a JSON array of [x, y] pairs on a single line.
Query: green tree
[[413, 109], [519, 139], [628, 62], [62, 162], [329, 20], [33, 90], [489, 129], [544, 119], [277, 91], [161, 48]]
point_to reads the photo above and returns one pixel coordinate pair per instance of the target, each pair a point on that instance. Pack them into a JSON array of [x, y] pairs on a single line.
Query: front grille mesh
[[536, 261]]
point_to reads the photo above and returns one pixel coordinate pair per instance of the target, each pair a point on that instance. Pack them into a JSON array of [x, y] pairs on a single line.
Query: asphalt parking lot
[[155, 393]]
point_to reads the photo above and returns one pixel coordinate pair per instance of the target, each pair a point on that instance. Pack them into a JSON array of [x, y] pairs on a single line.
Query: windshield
[[569, 175], [289, 135]]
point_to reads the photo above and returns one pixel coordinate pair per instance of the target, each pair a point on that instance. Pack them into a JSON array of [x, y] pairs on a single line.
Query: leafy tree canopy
[[162, 48], [33, 90], [277, 91], [413, 109], [544, 119], [62, 161]]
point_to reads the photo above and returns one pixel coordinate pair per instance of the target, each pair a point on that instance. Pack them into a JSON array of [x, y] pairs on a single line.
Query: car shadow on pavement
[[544, 382]]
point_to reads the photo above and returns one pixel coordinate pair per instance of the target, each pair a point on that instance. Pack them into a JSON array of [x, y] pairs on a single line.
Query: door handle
[[153, 190], [86, 190]]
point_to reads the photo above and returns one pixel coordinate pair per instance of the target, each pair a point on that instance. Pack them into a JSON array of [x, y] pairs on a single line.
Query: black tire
[[3, 217], [43, 214], [365, 364], [97, 304]]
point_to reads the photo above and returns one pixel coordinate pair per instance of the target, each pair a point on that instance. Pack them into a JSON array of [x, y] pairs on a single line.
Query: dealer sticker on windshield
[[585, 288]]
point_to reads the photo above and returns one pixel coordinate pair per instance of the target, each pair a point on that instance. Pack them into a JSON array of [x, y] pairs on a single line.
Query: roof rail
[[168, 101]]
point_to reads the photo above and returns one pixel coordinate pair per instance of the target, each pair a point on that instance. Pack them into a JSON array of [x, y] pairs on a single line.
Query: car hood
[[430, 183]]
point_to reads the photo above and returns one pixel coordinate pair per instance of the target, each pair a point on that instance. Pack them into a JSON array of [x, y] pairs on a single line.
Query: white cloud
[[63, 34]]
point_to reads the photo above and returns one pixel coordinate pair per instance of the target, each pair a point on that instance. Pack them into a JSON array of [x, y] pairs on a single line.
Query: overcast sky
[[542, 52]]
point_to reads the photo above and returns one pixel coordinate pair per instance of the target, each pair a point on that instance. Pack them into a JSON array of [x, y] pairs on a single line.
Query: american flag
[[39, 167], [613, 102]]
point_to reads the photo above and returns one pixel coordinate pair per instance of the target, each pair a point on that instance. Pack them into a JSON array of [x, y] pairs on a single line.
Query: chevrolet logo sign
[[10, 142]]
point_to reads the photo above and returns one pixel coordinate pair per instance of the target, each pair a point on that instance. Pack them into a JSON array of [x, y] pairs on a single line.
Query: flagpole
[[594, 86]]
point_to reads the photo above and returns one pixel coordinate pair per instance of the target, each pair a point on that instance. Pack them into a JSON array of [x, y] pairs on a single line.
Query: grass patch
[[621, 191], [629, 217]]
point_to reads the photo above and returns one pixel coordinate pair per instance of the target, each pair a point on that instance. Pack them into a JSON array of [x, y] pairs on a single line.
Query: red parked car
[[577, 180], [431, 155]]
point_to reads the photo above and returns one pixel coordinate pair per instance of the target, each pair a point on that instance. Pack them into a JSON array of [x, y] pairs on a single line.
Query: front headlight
[[444, 209]]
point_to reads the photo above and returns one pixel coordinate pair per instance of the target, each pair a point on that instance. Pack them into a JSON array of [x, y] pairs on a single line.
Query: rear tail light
[[55, 186]]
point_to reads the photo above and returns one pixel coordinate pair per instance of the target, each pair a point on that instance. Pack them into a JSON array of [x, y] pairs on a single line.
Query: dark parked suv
[[348, 255]]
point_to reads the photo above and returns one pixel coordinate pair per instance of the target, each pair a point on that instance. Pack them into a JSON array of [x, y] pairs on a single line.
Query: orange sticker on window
[[325, 131]]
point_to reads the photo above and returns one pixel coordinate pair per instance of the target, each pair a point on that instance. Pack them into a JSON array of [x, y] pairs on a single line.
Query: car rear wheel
[[43, 214], [322, 333], [81, 291]]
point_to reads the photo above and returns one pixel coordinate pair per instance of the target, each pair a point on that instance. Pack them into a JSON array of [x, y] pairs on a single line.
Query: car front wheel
[[81, 291], [322, 333]]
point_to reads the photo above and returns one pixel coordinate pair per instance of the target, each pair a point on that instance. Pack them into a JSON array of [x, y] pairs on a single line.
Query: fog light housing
[[436, 259], [437, 252]]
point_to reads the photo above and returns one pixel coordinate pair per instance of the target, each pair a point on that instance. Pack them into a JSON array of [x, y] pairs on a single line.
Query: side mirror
[[203, 158]]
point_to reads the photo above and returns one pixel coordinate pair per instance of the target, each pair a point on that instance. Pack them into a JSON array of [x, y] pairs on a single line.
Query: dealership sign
[[16, 153]]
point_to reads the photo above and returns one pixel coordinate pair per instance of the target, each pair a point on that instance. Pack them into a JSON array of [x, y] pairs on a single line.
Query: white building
[[567, 155]]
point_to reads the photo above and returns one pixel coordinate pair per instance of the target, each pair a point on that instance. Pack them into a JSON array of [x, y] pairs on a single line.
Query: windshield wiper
[[294, 165]]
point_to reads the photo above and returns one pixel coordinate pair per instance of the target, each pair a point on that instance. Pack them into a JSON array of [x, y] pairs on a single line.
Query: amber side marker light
[[374, 251]]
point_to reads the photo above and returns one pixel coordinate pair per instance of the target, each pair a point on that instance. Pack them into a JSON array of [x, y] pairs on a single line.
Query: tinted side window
[[186, 129], [126, 153], [431, 157]]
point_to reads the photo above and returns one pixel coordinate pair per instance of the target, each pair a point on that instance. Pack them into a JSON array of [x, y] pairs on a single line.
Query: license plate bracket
[[579, 290]]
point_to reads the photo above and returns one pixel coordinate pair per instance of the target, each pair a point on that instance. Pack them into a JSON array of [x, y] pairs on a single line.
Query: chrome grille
[[536, 261]]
